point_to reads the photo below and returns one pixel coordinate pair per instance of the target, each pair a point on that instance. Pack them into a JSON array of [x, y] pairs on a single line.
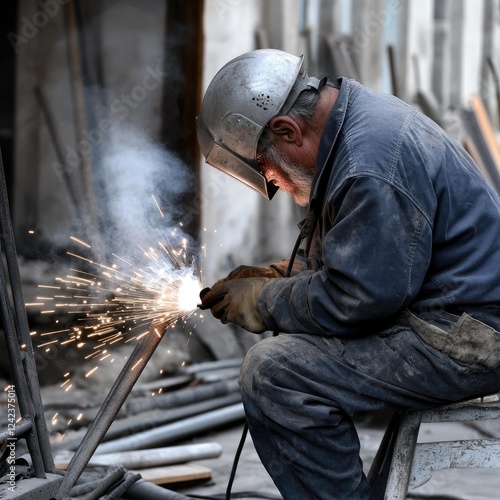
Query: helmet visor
[[229, 163]]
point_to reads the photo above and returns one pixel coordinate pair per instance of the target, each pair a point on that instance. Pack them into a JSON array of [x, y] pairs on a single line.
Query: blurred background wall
[[98, 100]]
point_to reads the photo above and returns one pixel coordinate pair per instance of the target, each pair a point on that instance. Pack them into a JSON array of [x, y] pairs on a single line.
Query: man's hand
[[235, 301]]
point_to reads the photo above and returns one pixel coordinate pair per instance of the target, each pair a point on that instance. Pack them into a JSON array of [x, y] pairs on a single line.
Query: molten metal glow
[[189, 292]]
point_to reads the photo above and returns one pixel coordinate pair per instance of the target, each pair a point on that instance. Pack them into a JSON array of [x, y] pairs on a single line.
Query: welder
[[392, 299]]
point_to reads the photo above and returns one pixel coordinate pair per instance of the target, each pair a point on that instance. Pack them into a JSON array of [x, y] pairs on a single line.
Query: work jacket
[[406, 221]]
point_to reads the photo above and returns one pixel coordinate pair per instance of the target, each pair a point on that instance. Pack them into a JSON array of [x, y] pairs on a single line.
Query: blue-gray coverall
[[400, 308]]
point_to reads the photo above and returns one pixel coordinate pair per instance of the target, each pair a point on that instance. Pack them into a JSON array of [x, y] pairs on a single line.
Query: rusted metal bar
[[111, 406]]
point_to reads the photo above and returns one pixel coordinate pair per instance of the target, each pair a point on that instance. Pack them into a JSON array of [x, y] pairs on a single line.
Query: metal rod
[[182, 396], [18, 375], [142, 421], [151, 419], [496, 80], [89, 207], [154, 457], [56, 143], [14, 321], [177, 430], [22, 427], [111, 406], [404, 447], [22, 326], [212, 365]]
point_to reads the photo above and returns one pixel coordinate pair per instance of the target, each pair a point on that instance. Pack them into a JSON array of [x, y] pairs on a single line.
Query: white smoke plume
[[144, 185]]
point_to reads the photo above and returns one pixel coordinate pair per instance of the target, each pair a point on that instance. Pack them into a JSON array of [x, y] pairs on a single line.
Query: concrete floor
[[479, 484]]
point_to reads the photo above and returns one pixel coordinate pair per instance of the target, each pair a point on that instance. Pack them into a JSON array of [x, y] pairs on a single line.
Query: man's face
[[292, 178]]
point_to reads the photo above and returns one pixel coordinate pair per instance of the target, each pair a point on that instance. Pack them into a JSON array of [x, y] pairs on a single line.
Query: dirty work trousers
[[301, 391]]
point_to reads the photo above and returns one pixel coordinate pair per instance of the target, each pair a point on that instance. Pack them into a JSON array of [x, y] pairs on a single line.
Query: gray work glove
[[276, 270], [235, 301]]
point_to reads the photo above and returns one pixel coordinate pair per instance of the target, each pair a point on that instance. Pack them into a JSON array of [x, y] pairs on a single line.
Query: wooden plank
[[175, 473], [486, 128], [470, 147], [481, 147]]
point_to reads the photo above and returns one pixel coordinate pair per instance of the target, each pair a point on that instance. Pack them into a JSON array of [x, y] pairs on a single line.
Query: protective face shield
[[240, 101]]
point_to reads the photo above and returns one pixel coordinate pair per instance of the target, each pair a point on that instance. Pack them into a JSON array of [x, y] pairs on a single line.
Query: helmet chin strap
[[301, 84]]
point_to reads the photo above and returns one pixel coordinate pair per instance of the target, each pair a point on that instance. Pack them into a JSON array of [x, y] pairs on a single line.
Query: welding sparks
[[80, 241], [126, 297], [157, 205]]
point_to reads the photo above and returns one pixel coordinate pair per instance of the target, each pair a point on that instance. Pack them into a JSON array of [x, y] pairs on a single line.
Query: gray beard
[[301, 178]]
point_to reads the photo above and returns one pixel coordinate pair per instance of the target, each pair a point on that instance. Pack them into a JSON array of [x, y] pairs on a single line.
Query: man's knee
[[264, 360], [256, 357]]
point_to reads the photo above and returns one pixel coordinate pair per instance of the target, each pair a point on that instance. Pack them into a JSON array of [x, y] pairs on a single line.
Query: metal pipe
[[183, 396], [111, 406], [151, 419], [154, 457], [142, 421], [212, 365], [175, 431]]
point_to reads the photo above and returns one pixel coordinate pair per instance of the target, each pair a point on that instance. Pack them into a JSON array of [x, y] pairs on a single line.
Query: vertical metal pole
[[21, 386], [404, 448], [441, 59], [110, 407], [16, 329]]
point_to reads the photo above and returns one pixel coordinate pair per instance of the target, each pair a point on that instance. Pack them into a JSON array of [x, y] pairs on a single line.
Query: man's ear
[[286, 129]]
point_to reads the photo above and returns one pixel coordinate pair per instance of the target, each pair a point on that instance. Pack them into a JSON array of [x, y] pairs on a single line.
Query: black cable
[[307, 228], [235, 461], [422, 496], [239, 494]]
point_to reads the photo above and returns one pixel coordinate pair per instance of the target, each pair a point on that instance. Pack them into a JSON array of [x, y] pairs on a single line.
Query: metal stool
[[402, 464]]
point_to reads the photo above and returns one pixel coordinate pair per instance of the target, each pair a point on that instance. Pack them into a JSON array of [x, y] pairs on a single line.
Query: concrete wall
[[131, 49], [238, 226], [131, 35]]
